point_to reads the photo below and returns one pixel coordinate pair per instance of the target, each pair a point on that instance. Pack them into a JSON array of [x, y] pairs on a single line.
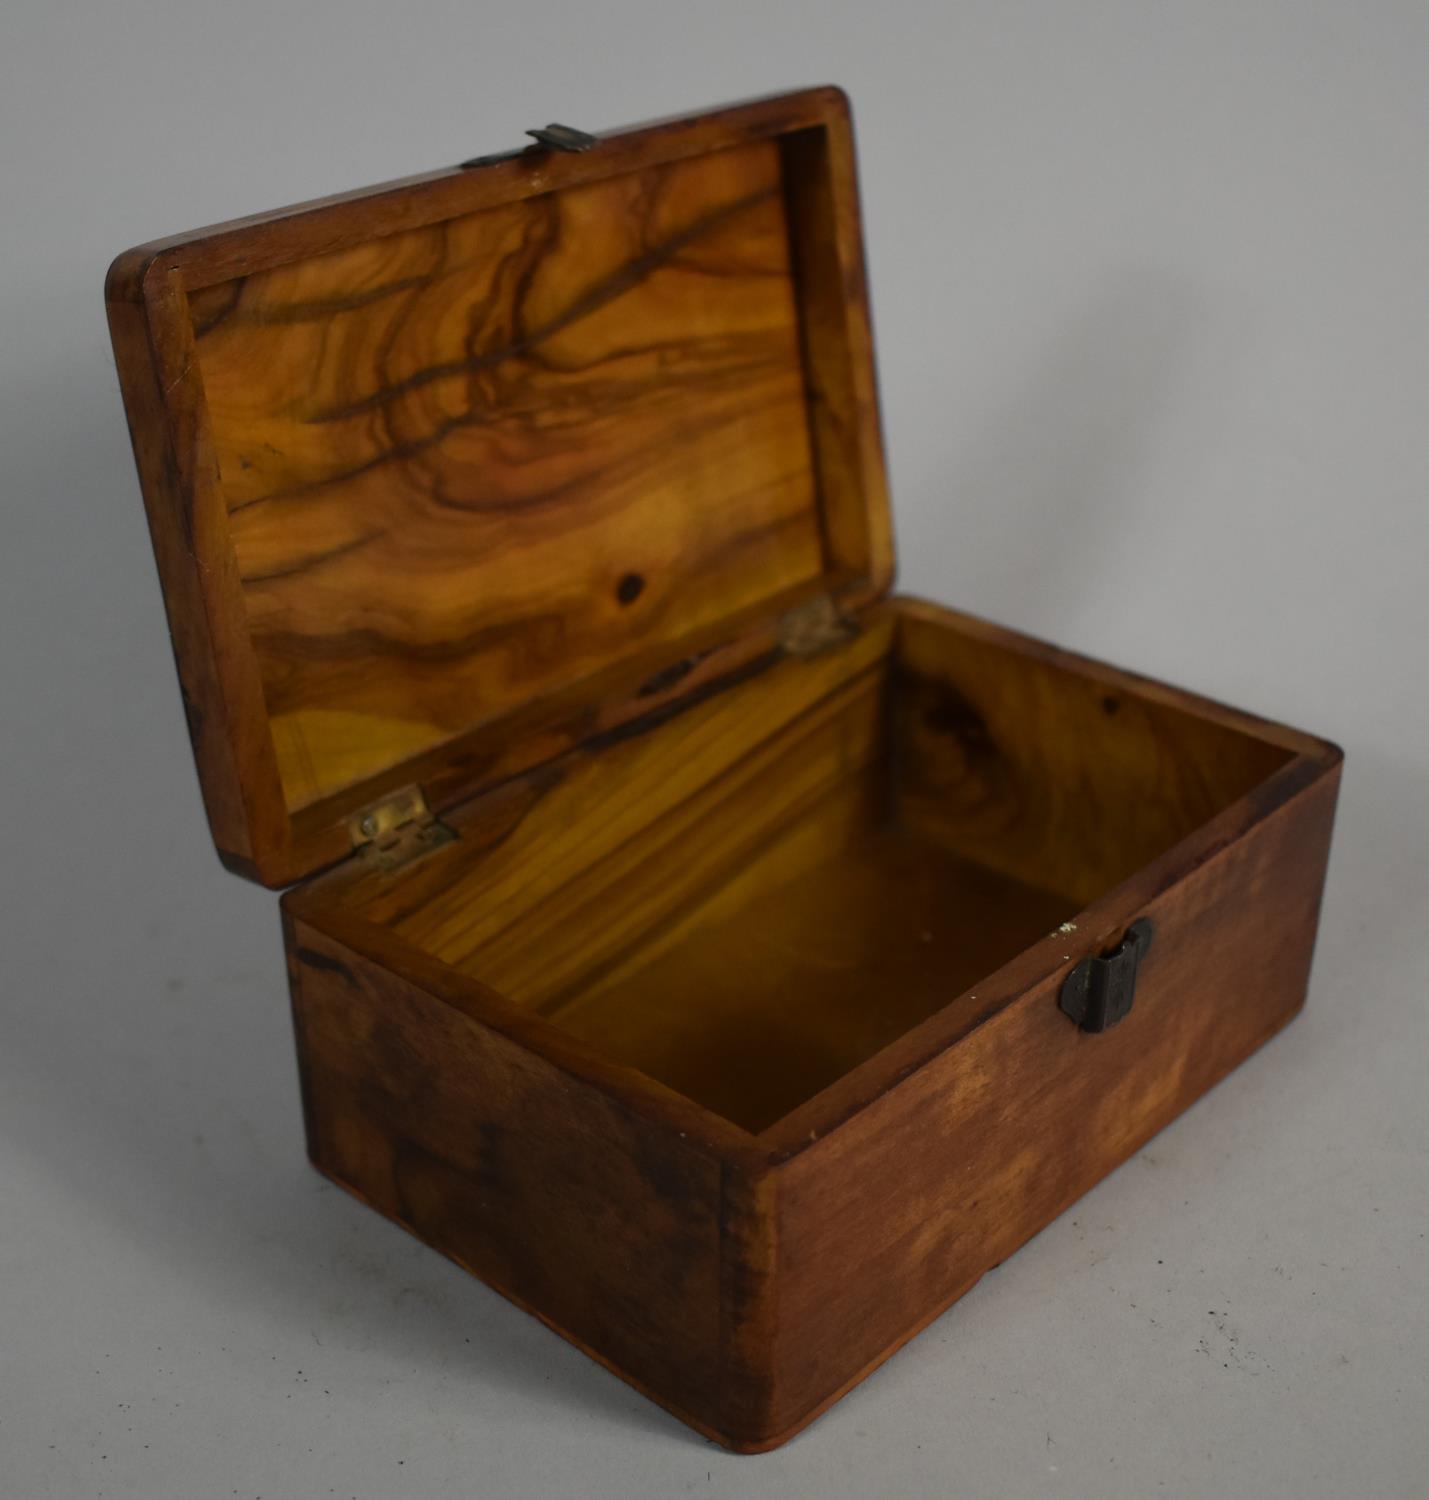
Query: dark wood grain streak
[[584, 303]]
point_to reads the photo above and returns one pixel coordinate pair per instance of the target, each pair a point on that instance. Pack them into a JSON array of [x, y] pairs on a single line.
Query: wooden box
[[725, 961]]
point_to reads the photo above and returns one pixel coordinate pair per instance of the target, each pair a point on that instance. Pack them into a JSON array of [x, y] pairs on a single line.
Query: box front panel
[[602, 1224], [894, 1214]]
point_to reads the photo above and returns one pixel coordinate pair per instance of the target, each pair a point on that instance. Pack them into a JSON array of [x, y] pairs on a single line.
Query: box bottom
[[815, 975]]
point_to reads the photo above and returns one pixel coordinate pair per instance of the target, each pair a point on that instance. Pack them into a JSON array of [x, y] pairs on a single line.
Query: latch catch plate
[[1099, 991]]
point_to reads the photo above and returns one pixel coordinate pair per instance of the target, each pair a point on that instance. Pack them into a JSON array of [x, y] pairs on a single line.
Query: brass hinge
[[397, 830], [815, 626]]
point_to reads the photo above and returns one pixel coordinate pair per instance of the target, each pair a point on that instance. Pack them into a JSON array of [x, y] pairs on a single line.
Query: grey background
[[1153, 323]]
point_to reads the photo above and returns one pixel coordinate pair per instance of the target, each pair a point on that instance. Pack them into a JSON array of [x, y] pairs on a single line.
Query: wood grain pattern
[[766, 926], [557, 868], [1050, 776], [757, 1011], [757, 895], [472, 463], [538, 1182], [888, 1219], [436, 464]]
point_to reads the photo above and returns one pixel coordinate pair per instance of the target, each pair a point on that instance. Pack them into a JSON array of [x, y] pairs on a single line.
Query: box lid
[[449, 475]]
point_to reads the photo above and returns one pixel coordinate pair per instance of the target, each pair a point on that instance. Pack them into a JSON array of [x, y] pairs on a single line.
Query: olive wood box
[[724, 960]]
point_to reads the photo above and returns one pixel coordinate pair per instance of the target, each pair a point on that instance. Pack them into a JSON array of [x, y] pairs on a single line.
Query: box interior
[[752, 897]]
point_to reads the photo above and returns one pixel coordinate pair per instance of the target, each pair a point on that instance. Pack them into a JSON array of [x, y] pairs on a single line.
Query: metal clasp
[[1099, 991], [562, 138], [551, 137]]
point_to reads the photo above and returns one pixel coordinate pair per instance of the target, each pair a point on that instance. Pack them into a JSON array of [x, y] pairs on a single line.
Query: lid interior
[[584, 411]]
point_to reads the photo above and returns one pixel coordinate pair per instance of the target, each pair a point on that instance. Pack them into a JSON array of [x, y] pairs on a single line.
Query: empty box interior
[[748, 900]]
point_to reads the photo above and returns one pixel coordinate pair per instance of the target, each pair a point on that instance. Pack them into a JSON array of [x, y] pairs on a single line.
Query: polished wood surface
[[615, 847], [540, 1182], [767, 925], [473, 463], [901, 1209], [430, 469], [750, 899], [755, 1012], [1050, 776]]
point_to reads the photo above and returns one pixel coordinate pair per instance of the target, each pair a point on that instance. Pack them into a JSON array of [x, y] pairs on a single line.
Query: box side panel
[[1054, 776], [603, 1224], [896, 1213], [821, 194], [231, 746]]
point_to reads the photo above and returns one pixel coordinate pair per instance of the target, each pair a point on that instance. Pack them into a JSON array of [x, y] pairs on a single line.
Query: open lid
[[451, 474]]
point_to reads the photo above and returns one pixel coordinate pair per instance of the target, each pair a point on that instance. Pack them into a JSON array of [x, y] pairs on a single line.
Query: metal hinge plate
[[395, 831], [814, 627]]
